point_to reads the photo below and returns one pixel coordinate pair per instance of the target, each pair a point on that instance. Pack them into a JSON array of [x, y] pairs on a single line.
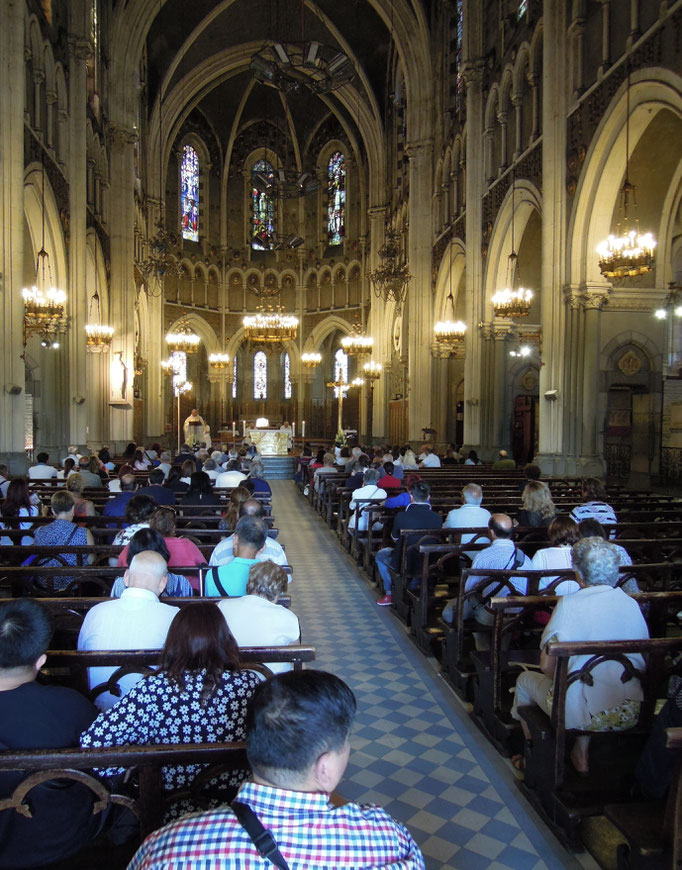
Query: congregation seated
[[431, 458], [597, 611], [136, 620], [37, 716], [656, 766], [42, 470], [249, 539], [563, 533], [62, 532], [255, 481], [297, 731], [137, 513], [116, 506], [129, 453], [403, 498], [538, 508], [89, 468], [370, 489], [177, 585], [531, 472], [4, 480], [356, 479], [272, 551], [68, 468], [232, 476], [470, 516], [105, 458], [256, 619], [230, 517], [472, 458], [389, 480], [200, 498], [141, 462], [82, 507], [199, 694], [504, 462], [115, 484], [155, 488], [210, 468], [416, 515], [594, 505], [17, 503], [328, 467], [182, 552], [174, 481], [165, 463]]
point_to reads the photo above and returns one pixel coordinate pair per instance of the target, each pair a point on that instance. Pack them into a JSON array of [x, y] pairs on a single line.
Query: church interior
[[387, 221]]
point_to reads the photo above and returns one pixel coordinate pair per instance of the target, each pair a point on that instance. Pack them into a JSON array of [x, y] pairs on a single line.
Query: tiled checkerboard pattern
[[415, 752]]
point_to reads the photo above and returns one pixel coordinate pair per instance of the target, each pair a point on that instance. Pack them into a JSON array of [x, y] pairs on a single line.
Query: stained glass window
[[260, 375], [263, 207], [460, 40], [234, 377], [523, 8], [336, 198], [287, 376], [189, 194], [340, 369]]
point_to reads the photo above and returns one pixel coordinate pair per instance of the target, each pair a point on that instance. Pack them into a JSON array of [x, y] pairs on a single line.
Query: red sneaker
[[386, 601]]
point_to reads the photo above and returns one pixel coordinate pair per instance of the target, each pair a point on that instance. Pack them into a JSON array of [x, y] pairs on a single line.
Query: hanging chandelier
[[97, 335], [219, 361], [44, 304], [391, 278], [448, 334], [357, 343], [161, 261], [292, 67], [671, 303], [311, 360], [286, 183], [372, 370], [629, 253], [513, 301], [183, 340], [270, 326]]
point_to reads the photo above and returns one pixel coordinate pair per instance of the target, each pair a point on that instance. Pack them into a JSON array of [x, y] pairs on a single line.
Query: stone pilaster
[[12, 404], [420, 296], [376, 327], [591, 461]]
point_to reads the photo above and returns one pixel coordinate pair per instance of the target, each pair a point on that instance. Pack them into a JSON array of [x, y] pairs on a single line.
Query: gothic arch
[[202, 328], [457, 251]]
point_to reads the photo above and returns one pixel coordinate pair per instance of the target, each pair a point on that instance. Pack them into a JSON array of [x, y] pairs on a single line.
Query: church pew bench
[[515, 639], [653, 830], [552, 786], [150, 803]]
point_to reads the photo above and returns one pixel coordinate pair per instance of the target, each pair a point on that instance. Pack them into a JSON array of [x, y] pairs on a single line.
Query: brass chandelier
[[448, 334], [270, 326], [98, 336], [513, 301], [391, 278], [357, 343], [183, 340]]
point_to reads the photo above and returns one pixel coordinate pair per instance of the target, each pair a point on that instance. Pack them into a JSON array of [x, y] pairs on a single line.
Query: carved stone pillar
[[84, 399], [576, 33], [592, 299], [490, 170], [51, 99], [499, 429], [502, 118], [535, 100], [517, 103], [38, 79], [605, 36], [420, 296], [12, 404]]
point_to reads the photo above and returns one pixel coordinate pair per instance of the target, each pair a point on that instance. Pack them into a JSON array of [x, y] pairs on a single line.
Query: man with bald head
[[470, 516], [223, 554], [136, 620], [116, 507]]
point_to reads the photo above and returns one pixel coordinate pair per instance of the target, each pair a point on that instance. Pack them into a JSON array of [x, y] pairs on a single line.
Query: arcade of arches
[[463, 126]]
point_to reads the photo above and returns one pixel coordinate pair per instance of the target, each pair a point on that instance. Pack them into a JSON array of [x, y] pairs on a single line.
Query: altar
[[270, 442]]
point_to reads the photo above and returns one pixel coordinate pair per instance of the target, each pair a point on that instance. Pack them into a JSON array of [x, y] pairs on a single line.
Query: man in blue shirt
[[161, 494], [116, 507], [249, 538]]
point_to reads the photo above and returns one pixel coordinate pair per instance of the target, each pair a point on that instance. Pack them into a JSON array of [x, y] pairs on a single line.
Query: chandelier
[[291, 67], [391, 278], [357, 343], [514, 302], [310, 360], [372, 370], [219, 361], [161, 260], [97, 336], [286, 183], [44, 304], [183, 340], [631, 253], [448, 334], [270, 326], [672, 302]]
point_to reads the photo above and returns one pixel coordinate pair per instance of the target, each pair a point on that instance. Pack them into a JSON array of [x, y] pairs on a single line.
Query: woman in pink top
[[183, 552]]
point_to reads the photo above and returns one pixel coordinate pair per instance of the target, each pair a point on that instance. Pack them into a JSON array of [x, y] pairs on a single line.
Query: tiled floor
[[415, 751]]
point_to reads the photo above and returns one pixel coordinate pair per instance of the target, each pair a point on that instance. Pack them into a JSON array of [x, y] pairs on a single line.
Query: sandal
[[519, 763]]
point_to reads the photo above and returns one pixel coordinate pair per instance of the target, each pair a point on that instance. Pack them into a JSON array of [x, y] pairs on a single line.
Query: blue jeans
[[383, 560]]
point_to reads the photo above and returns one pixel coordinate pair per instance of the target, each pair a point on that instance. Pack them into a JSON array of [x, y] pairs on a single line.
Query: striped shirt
[[595, 510], [310, 833]]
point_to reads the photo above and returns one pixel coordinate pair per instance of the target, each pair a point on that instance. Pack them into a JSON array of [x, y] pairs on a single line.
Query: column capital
[[472, 72], [419, 148], [377, 211], [120, 135], [486, 330]]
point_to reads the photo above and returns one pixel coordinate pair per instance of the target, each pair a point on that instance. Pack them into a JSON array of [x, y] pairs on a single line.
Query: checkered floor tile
[[415, 751]]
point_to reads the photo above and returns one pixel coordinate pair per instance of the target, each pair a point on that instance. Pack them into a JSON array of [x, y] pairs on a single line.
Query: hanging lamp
[[512, 301]]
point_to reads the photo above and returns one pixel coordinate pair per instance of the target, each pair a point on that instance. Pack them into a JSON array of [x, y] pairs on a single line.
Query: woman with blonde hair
[[538, 507], [83, 507], [230, 518]]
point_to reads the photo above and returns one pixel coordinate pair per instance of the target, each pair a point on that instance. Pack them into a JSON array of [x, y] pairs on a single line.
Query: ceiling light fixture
[[513, 301]]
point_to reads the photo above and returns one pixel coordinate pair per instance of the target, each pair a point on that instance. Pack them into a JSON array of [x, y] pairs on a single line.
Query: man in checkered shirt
[[298, 725]]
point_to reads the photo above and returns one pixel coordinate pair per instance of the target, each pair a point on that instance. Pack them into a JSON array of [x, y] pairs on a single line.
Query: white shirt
[[213, 474], [229, 479], [136, 620], [469, 516], [597, 613], [4, 486], [41, 472], [165, 467], [255, 621], [26, 540], [223, 554], [431, 461], [555, 557], [368, 491]]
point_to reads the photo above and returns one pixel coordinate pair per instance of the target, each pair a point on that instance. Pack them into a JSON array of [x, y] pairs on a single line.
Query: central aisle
[[415, 751]]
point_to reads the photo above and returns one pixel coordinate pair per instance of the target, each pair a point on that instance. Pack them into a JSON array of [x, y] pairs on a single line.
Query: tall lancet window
[[340, 369], [189, 194], [287, 376], [263, 207], [260, 375], [336, 198]]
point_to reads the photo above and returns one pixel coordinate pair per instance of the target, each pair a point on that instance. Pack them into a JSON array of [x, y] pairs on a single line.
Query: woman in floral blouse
[[199, 695]]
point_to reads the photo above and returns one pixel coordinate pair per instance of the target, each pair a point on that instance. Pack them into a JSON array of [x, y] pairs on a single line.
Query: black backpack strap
[[218, 585], [261, 838]]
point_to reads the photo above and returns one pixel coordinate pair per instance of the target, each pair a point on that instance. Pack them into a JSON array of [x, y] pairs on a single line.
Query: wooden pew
[[562, 797]]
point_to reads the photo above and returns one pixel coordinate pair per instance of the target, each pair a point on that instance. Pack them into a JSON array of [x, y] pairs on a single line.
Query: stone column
[[502, 119], [551, 455], [517, 103], [591, 460], [12, 404], [376, 326], [82, 397], [499, 428], [122, 281], [605, 36], [473, 76], [420, 295]]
